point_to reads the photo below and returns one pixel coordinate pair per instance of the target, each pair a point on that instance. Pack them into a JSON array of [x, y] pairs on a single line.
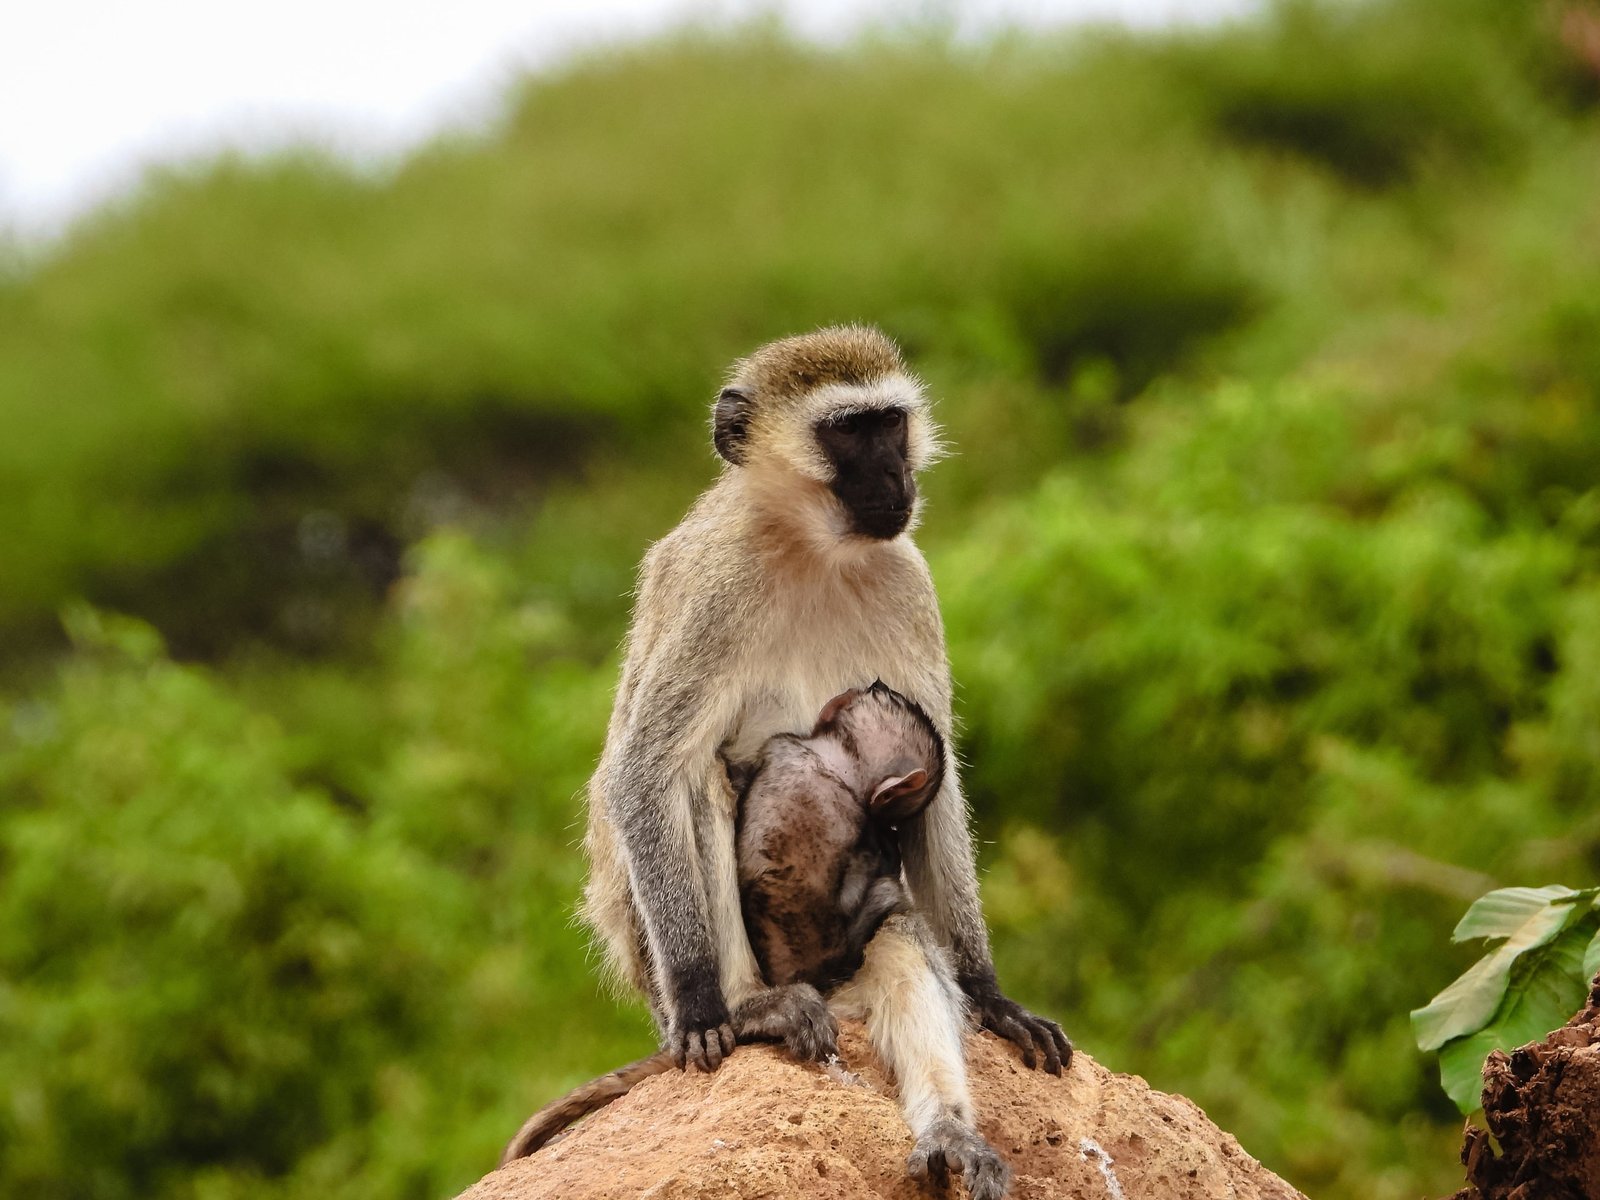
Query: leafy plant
[[1529, 983]]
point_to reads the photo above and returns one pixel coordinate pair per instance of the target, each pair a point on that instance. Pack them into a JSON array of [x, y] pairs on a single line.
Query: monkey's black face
[[871, 475]]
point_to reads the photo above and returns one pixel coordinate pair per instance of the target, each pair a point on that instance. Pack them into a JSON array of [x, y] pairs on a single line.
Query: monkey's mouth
[[881, 521]]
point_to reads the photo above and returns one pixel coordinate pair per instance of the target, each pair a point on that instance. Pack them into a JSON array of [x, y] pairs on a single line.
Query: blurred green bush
[[1268, 557], [242, 956]]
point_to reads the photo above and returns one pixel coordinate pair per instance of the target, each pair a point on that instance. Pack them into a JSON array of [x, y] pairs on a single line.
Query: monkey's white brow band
[[842, 399]]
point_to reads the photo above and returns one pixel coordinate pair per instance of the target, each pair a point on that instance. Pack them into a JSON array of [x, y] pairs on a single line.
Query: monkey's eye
[[848, 423], [854, 424]]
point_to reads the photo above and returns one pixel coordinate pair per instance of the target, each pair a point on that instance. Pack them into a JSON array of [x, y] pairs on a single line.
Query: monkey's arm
[[870, 891], [761, 904], [683, 957], [940, 868], [658, 794]]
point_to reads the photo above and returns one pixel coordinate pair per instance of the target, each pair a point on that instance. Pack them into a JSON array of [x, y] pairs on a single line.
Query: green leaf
[[1545, 989], [1461, 1068], [1591, 957], [1469, 1003], [1501, 913]]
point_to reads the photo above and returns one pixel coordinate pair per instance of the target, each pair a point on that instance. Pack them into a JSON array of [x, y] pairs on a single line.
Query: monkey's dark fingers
[[697, 1050], [1014, 1030], [794, 1013], [701, 1032], [1040, 1028], [814, 1035], [1060, 1042], [986, 1174], [949, 1145], [986, 1177], [1032, 1034], [692, 1052], [1038, 1032], [707, 1048], [927, 1162], [818, 1032]]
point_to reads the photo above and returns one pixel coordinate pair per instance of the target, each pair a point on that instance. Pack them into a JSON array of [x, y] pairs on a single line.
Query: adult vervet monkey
[[790, 581]]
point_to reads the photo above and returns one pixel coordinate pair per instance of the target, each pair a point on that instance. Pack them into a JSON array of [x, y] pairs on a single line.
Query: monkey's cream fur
[[750, 615]]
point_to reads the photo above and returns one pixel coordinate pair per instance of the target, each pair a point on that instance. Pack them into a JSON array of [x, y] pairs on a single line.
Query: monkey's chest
[[804, 656], [787, 694]]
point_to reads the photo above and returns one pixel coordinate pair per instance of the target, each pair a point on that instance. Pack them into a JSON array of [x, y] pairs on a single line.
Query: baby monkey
[[818, 853], [818, 862]]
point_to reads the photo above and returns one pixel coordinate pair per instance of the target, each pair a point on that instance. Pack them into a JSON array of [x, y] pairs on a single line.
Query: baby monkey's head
[[885, 746]]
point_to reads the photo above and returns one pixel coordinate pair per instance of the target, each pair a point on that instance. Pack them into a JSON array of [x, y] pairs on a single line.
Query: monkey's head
[[897, 752], [835, 416]]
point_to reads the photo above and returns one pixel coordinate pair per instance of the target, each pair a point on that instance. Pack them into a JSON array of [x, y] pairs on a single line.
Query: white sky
[[92, 89]]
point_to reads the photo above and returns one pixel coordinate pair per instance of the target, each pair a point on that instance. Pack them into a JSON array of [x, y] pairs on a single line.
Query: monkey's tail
[[554, 1117]]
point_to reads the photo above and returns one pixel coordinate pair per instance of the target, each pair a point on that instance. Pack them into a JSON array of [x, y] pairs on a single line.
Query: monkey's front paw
[[951, 1144], [703, 1047], [1003, 1016], [701, 1033]]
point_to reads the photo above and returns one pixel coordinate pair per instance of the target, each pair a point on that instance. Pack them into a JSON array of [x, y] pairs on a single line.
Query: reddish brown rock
[[765, 1126], [1542, 1104]]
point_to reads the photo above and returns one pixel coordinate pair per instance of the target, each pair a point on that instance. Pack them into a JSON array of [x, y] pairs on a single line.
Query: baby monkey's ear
[[901, 796], [833, 708]]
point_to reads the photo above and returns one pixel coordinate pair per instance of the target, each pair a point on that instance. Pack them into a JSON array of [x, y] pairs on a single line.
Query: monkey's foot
[[948, 1143], [795, 1014], [1003, 1016]]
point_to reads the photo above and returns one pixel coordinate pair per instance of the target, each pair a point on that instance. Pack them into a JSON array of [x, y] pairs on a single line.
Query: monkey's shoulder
[[699, 557]]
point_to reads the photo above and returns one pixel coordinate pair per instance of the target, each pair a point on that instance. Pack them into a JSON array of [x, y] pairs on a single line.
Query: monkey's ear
[[901, 796], [730, 423], [833, 708]]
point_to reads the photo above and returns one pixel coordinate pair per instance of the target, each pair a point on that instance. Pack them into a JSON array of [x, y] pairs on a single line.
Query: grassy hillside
[[1268, 554]]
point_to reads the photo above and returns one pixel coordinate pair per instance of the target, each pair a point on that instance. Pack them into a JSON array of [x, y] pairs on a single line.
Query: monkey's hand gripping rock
[[700, 1032], [1037, 1037]]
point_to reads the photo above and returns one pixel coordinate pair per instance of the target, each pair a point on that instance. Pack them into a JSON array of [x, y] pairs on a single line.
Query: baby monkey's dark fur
[[819, 867]]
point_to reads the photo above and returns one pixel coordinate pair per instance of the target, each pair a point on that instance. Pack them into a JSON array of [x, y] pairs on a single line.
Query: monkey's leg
[[916, 1017]]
